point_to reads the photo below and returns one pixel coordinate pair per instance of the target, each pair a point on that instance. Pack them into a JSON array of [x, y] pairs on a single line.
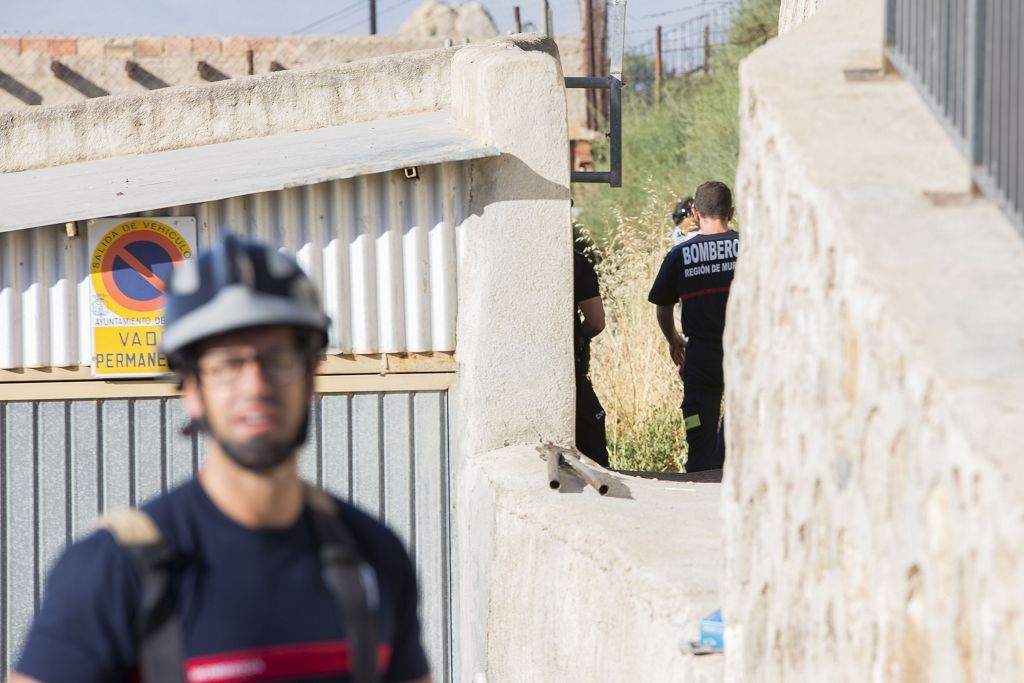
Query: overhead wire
[[380, 13], [333, 15], [699, 5]]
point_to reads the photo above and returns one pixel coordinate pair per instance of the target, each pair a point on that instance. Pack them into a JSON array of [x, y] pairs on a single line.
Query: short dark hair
[[684, 209], [713, 199]]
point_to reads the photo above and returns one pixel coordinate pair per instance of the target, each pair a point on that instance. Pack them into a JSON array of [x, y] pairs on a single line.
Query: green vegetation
[[691, 136], [669, 148]]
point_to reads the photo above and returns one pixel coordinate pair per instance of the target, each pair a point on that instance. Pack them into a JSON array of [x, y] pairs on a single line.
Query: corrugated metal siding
[[380, 248], [64, 462]]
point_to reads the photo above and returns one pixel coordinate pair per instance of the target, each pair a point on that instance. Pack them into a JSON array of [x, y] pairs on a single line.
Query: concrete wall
[[228, 110], [25, 61], [583, 587], [514, 345], [516, 249], [874, 512]]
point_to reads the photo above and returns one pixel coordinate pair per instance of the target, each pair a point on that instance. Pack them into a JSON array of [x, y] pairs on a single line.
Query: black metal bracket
[[613, 176]]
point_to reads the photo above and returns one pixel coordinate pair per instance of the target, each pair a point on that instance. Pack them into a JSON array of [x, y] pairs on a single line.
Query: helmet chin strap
[[259, 456]]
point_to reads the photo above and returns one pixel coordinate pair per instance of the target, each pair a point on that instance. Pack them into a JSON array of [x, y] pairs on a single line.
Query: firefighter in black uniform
[[698, 274], [588, 323]]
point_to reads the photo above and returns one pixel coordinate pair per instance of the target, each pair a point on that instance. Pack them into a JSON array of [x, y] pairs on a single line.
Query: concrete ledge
[[236, 109], [582, 587], [188, 116], [172, 59], [124, 185], [875, 377]]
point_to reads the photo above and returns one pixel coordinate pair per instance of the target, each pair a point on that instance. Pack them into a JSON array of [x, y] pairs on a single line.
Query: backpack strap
[[351, 581], [158, 629]]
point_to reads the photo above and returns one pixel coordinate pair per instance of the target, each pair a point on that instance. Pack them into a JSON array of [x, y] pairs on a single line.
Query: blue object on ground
[[712, 631]]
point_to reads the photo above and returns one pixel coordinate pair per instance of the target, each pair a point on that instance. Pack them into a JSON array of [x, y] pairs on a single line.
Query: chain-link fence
[[48, 70], [45, 70], [678, 50]]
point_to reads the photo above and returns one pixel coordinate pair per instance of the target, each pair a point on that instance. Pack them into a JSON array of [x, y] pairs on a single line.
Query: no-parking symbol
[[130, 260]]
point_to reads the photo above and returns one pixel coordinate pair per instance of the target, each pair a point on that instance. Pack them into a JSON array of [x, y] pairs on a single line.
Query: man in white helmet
[[244, 573]]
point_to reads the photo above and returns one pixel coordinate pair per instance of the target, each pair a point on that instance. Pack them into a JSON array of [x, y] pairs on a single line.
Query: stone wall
[[236, 109], [391, 85], [173, 60], [874, 514], [101, 63]]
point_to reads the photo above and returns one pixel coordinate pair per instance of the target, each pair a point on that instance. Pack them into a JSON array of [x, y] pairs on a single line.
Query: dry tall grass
[[632, 373], [668, 150]]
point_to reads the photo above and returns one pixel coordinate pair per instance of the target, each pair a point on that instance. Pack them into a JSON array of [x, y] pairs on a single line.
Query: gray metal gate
[[965, 57], [62, 463]]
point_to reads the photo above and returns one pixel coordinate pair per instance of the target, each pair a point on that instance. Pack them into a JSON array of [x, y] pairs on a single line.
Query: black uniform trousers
[[590, 434], [702, 406]]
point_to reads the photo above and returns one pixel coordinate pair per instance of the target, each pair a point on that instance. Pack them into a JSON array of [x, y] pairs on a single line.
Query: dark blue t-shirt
[[252, 603], [698, 273]]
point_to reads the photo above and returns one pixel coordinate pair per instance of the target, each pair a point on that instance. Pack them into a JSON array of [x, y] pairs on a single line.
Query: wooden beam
[[208, 72], [19, 90], [76, 80], [143, 76], [98, 390], [332, 364]]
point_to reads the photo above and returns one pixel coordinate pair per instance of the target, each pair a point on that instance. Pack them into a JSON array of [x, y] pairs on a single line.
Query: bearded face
[[251, 394]]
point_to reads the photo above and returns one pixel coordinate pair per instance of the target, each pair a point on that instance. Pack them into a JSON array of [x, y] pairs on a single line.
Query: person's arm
[[665, 297], [676, 343], [593, 316], [84, 631]]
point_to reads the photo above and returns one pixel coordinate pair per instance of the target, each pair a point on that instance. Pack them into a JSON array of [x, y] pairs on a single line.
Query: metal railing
[[966, 59], [613, 83]]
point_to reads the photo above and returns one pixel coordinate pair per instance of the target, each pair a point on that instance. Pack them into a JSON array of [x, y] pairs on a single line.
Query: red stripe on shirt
[[701, 292], [282, 662]]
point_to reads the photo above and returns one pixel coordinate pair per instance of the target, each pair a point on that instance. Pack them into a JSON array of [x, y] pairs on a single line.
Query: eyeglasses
[[278, 366]]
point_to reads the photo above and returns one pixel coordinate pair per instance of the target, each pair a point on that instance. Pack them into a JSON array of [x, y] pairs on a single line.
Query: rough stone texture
[[433, 18], [172, 60], [792, 13], [228, 110], [875, 375], [589, 588]]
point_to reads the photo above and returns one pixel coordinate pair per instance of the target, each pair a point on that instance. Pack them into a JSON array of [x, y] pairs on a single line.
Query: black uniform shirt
[[252, 602], [698, 273], [584, 286]]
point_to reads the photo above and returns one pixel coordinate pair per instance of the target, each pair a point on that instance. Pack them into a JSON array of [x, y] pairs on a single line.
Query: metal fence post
[[977, 51], [658, 67], [890, 23], [615, 134]]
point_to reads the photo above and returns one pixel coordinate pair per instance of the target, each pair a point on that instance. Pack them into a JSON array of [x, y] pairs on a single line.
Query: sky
[[285, 17]]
